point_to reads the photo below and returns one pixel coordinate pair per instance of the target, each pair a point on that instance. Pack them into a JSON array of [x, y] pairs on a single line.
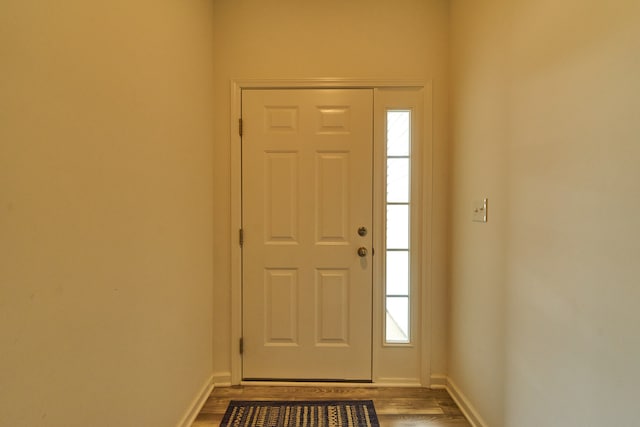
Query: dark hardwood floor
[[395, 406]]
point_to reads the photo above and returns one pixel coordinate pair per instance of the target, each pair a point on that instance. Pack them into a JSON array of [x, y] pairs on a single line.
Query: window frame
[[410, 242], [392, 365]]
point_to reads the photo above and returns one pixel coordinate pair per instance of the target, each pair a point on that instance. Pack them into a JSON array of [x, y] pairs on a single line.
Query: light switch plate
[[479, 210]]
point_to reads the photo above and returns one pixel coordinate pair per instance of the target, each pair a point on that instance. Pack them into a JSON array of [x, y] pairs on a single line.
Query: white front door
[[306, 212]]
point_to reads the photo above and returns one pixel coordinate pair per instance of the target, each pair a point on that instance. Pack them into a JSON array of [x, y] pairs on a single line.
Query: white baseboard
[[465, 406], [197, 404], [438, 381], [396, 382], [222, 379]]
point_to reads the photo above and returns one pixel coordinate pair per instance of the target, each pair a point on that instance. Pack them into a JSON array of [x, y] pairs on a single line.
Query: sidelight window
[[397, 230]]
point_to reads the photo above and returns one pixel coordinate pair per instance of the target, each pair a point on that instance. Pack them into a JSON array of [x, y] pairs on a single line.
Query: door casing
[[424, 378]]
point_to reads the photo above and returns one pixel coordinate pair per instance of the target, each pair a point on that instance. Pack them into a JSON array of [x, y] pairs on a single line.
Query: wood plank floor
[[396, 407]]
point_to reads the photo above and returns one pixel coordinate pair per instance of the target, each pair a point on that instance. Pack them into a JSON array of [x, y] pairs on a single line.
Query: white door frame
[[237, 85]]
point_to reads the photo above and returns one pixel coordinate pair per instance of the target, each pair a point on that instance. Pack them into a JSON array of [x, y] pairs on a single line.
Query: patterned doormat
[[316, 413]]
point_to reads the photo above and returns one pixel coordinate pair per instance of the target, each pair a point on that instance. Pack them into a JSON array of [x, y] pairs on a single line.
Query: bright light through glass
[[397, 228], [397, 319], [398, 180], [398, 133], [397, 272]]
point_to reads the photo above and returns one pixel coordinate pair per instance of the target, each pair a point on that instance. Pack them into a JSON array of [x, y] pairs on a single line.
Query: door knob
[[362, 252]]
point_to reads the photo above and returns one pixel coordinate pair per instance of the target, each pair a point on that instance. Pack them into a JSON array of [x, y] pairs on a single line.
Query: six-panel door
[[306, 191]]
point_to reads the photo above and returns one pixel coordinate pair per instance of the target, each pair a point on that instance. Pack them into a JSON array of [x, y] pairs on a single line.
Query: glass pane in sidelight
[[398, 180], [397, 320], [398, 135], [397, 273], [397, 227], [398, 197]]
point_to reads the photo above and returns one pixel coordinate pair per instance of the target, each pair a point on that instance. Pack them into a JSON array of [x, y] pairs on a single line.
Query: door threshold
[[307, 382]]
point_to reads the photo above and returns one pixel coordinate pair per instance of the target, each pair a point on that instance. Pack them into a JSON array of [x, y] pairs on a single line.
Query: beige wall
[[291, 39], [106, 179], [105, 211], [544, 297]]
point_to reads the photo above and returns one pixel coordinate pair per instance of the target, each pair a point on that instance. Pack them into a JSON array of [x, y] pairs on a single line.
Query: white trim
[[379, 169], [438, 381], [396, 383], [465, 406], [426, 309], [236, 86], [197, 404], [222, 379], [324, 83], [236, 223]]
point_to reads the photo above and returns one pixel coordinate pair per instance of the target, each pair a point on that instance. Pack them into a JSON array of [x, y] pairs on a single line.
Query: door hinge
[[240, 126], [241, 236], [241, 345]]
